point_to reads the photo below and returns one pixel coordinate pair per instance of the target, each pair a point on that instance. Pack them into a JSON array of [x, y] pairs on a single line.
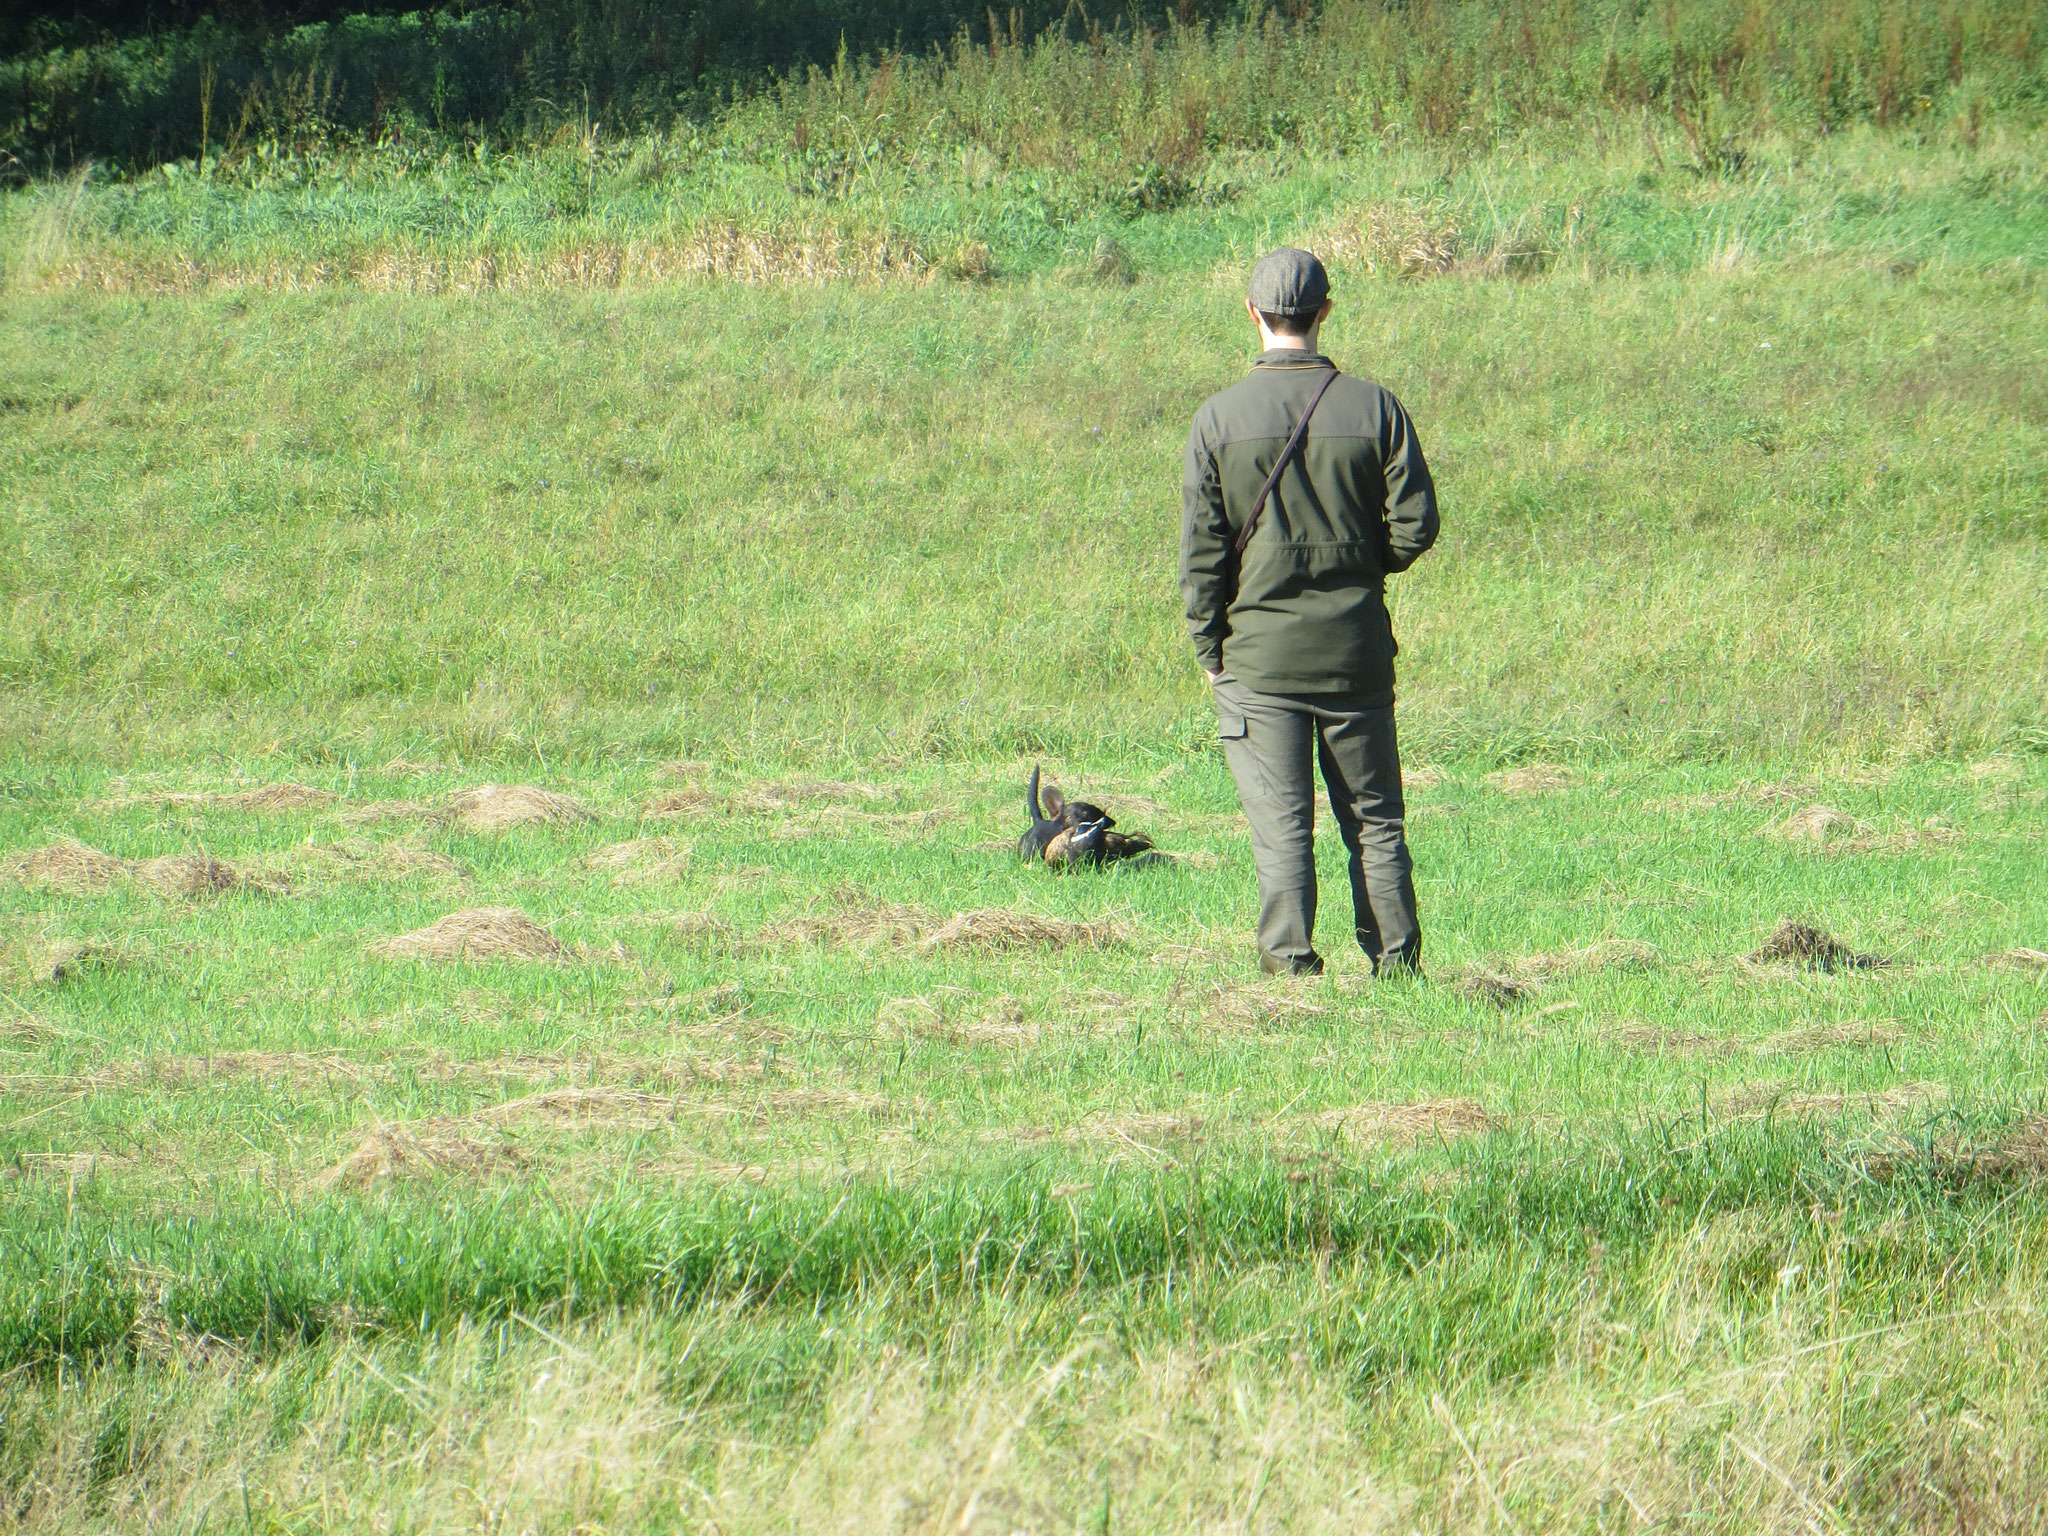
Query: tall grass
[[81, 1274], [1147, 105]]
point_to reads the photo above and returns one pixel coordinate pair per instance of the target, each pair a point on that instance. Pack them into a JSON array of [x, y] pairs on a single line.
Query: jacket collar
[[1291, 357]]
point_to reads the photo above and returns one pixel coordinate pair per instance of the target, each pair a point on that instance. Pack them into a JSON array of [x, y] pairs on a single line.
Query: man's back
[[1304, 611]]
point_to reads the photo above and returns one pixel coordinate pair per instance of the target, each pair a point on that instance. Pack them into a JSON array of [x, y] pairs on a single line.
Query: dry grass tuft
[[1603, 955], [70, 959], [59, 1165], [885, 923], [1532, 779], [277, 797], [690, 800], [1777, 1101], [494, 807], [188, 874], [76, 868], [1812, 949], [1815, 1038], [796, 255], [394, 859], [478, 933], [1745, 793], [2021, 959], [1423, 776], [2022, 1149], [1814, 824], [1391, 237], [1377, 1124], [28, 1029], [783, 797], [391, 810], [155, 799], [1264, 1005], [581, 1105], [1193, 858], [69, 866], [1654, 1040], [265, 797], [992, 1021], [1480, 985], [792, 256], [699, 927], [1005, 928], [397, 1151], [642, 860], [401, 860]]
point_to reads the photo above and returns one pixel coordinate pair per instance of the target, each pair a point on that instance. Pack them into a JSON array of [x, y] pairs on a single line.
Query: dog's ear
[[1055, 802]]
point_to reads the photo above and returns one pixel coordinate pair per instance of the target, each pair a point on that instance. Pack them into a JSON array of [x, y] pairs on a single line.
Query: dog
[[1066, 832]]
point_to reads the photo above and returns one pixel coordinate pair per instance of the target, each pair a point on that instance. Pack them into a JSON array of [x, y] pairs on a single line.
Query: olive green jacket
[[1307, 612]]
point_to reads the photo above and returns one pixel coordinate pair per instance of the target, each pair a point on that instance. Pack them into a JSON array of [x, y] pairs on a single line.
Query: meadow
[[518, 672]]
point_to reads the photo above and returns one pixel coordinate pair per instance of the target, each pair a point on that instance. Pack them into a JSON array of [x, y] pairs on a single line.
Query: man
[[1293, 631]]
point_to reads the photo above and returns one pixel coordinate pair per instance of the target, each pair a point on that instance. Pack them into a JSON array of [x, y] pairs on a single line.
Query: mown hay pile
[[1814, 824], [781, 797], [477, 933], [1381, 1123], [1653, 1040], [1480, 985], [277, 797], [390, 810], [494, 807], [79, 869], [641, 860], [1005, 928], [1815, 1038], [69, 959], [187, 874], [1812, 949], [1775, 1101], [1601, 955], [397, 1151], [601, 1104], [264, 797], [1534, 779], [884, 923], [690, 800], [1263, 1005], [69, 866]]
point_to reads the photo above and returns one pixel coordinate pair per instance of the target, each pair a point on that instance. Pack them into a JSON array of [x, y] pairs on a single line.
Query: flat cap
[[1289, 282]]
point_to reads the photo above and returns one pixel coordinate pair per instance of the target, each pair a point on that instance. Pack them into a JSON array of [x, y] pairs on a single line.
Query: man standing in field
[[1288, 533]]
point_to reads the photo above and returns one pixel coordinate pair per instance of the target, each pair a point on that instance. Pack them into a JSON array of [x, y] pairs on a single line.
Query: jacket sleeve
[[1208, 563], [1411, 495]]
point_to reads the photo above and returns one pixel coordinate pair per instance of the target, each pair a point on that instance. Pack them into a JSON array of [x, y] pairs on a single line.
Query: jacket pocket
[[1230, 725]]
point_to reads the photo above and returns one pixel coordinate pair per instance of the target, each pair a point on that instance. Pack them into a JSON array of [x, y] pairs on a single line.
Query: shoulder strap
[[1244, 534]]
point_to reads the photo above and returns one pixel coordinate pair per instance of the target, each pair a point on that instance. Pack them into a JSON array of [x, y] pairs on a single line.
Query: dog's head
[[1076, 816]]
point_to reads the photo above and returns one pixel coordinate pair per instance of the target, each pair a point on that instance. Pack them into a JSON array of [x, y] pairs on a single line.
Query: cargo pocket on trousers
[[1230, 725]]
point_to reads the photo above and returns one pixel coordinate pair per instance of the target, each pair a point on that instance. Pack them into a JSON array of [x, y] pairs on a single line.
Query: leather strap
[[1244, 534]]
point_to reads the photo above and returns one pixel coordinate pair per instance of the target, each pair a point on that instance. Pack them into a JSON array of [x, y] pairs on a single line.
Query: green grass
[[844, 1228]]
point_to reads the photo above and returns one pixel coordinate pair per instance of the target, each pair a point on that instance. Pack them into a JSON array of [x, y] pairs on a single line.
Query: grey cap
[[1289, 282]]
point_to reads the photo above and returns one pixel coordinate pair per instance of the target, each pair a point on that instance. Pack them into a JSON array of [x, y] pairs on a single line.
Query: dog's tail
[[1031, 797]]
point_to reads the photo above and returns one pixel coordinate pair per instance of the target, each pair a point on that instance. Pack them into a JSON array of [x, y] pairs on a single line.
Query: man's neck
[[1275, 342]]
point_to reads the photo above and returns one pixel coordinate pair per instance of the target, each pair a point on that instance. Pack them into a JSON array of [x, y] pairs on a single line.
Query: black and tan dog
[[1073, 831]]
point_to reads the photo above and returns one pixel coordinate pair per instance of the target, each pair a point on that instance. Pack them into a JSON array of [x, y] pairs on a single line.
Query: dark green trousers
[[1272, 742]]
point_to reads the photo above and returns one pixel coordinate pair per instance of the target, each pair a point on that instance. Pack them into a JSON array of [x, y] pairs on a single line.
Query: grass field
[[776, 1153]]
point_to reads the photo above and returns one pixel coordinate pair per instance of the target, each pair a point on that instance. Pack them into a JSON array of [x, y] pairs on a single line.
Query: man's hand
[[1214, 678]]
